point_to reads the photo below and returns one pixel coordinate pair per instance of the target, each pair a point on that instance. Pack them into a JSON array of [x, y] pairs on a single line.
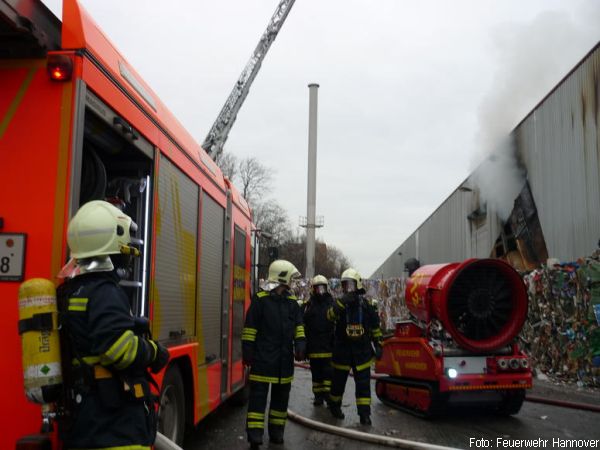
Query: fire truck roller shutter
[[176, 244]]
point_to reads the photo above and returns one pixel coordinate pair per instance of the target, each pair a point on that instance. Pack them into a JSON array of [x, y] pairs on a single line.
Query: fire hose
[[365, 437], [404, 443], [562, 403], [164, 443]]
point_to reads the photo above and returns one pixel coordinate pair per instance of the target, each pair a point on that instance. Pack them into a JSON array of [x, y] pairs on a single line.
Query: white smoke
[[500, 179], [532, 59]]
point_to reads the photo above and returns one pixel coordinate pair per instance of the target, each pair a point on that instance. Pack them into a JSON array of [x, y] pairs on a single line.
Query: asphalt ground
[[461, 428]]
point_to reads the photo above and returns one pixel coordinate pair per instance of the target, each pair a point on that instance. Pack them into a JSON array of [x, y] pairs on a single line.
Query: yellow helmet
[[98, 229], [319, 280], [351, 274], [282, 272]]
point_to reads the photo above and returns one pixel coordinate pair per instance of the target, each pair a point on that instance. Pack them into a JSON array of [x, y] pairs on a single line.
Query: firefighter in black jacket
[[273, 335], [111, 403], [357, 339], [319, 338]]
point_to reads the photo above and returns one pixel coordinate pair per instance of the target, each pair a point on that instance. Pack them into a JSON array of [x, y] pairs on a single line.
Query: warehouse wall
[[559, 145]]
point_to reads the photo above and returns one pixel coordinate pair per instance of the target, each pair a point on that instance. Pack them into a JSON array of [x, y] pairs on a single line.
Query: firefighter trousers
[[362, 381], [255, 419], [321, 371]]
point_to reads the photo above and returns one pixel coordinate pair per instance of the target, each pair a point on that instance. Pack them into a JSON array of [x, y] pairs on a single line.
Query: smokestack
[[311, 200]]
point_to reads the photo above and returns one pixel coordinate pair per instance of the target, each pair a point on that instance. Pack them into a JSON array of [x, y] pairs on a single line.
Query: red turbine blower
[[458, 348]]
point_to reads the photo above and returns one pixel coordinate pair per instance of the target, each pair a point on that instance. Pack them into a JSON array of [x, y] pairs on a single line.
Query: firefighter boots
[[319, 399], [255, 438], [336, 411], [276, 439], [365, 419]]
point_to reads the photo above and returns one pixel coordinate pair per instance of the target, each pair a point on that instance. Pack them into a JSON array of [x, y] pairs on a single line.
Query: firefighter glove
[[247, 355], [161, 358], [300, 353]]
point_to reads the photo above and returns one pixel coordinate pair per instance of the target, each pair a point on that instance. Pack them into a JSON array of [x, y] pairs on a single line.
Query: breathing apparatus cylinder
[[40, 343]]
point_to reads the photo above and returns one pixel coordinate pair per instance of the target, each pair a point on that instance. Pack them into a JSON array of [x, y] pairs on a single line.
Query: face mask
[[320, 289], [123, 266], [349, 286]]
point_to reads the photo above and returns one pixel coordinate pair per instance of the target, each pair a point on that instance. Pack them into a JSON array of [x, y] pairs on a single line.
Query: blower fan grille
[[480, 302]]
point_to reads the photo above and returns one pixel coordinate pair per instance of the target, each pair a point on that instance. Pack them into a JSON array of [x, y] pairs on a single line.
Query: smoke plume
[[499, 179], [532, 58]]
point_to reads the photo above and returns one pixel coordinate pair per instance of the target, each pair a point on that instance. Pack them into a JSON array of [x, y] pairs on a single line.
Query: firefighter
[[357, 340], [273, 335], [319, 338], [108, 384]]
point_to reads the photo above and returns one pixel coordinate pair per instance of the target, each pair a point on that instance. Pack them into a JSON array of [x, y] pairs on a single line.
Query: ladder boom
[[217, 136]]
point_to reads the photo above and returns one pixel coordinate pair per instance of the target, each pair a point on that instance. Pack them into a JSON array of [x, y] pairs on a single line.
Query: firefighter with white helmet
[[111, 406], [319, 337], [357, 340], [273, 335]]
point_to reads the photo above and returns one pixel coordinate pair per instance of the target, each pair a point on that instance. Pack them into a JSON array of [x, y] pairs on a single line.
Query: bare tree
[[335, 262], [272, 220], [329, 260], [270, 216], [255, 179], [228, 163]]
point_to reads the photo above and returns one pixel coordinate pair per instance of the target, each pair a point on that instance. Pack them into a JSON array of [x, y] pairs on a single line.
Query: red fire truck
[[77, 123]]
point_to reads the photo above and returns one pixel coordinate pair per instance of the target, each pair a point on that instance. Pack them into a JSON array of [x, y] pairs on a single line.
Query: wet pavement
[[224, 429]]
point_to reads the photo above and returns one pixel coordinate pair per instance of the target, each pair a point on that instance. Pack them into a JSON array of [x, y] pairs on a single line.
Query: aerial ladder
[[217, 136]]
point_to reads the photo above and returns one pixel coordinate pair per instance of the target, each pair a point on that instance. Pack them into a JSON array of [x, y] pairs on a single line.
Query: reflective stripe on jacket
[[272, 330]]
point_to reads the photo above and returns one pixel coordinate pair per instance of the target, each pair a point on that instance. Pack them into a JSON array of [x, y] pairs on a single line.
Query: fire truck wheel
[[171, 412], [511, 402]]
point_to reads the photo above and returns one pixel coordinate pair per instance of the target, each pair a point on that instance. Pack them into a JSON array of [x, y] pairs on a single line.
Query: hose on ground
[[562, 403], [362, 436], [164, 443]]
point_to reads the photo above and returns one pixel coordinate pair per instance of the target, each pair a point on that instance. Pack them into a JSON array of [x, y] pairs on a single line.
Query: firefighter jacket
[[272, 331], [318, 329], [111, 403], [356, 329]]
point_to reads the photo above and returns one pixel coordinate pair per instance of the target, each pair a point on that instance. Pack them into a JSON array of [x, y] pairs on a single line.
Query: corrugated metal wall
[[559, 144], [176, 260], [446, 236]]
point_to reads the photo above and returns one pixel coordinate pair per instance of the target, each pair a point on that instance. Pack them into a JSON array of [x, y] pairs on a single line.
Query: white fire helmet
[[319, 285], [282, 272], [351, 280]]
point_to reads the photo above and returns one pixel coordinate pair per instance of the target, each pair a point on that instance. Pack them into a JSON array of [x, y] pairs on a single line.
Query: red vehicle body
[[459, 347], [78, 123]]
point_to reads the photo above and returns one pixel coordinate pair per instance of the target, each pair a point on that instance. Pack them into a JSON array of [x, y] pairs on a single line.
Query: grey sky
[[412, 93]]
